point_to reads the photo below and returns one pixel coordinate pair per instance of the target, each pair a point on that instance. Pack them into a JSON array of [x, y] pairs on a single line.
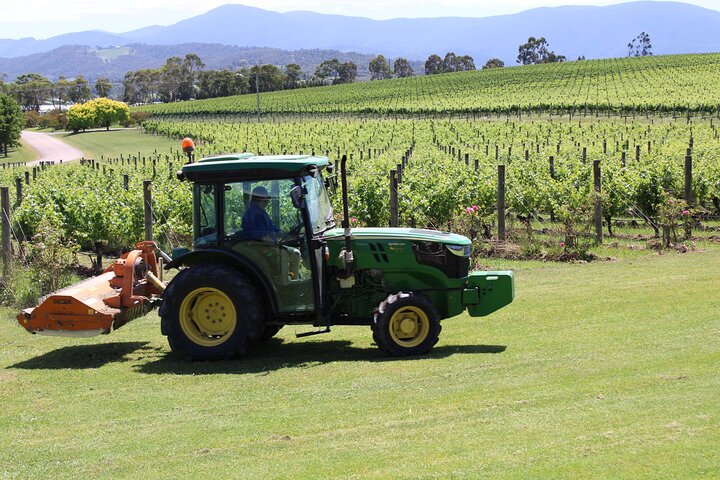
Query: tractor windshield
[[318, 204]]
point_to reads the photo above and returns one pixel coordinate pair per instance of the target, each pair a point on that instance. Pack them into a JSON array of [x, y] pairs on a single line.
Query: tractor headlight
[[459, 250]]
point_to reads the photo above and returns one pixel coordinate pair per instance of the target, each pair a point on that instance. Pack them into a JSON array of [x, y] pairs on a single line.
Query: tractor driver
[[257, 225]]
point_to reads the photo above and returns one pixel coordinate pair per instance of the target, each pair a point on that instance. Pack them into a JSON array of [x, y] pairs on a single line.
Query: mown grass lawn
[[602, 370], [116, 142], [20, 154]]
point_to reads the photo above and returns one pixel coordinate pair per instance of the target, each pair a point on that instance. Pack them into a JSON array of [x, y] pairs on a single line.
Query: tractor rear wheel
[[405, 324], [211, 312], [269, 332]]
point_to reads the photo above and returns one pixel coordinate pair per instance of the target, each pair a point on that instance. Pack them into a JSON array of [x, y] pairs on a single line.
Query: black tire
[[269, 332], [406, 324], [211, 312]]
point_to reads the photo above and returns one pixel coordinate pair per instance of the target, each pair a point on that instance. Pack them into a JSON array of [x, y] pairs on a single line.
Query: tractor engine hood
[[412, 234]]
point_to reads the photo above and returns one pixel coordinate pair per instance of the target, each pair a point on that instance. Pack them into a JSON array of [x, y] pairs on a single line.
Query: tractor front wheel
[[211, 312], [405, 324]]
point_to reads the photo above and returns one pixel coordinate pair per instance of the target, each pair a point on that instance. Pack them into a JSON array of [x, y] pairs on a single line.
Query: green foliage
[[451, 63], [101, 112], [220, 83], [11, 123], [347, 72], [336, 72], [328, 69], [379, 68], [79, 90], [437, 182], [402, 68], [108, 112], [630, 86], [103, 87], [535, 50], [80, 117], [433, 65], [493, 63], [32, 119], [55, 119], [455, 63], [90, 207], [31, 90], [50, 255], [670, 212], [46, 265]]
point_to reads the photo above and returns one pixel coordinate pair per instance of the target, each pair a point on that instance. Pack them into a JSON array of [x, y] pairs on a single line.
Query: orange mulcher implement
[[128, 289]]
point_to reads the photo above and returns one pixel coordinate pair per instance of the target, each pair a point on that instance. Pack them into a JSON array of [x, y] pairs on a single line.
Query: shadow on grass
[[276, 355], [83, 356]]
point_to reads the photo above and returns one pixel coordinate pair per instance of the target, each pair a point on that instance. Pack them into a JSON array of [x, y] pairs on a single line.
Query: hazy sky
[[47, 18]]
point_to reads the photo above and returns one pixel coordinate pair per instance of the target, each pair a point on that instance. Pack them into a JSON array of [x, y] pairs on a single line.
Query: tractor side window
[[236, 203], [260, 210], [318, 203], [205, 226]]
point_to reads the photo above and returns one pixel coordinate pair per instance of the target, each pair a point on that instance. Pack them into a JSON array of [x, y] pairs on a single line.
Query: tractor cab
[[264, 215]]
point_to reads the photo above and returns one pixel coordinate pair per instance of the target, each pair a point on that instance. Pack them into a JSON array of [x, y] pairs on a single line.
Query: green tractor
[[267, 254], [247, 278]]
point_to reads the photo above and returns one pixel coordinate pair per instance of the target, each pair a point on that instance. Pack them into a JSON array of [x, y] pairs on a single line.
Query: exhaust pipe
[[347, 254]]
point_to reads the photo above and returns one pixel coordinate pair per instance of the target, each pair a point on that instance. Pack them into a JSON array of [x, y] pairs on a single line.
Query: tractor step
[[314, 332]]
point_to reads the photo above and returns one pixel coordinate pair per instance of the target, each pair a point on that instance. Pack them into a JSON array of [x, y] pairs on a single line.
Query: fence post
[[147, 196], [501, 203], [18, 190], [126, 182], [552, 176], [6, 245], [688, 191], [598, 203], [394, 220]]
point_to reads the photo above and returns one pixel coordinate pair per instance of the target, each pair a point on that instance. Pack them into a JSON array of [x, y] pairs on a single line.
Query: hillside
[[114, 62], [656, 83], [595, 32]]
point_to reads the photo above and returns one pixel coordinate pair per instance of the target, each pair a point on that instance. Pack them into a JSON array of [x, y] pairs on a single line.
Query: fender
[[225, 257]]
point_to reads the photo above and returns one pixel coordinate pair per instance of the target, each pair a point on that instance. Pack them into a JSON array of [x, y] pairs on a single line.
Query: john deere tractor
[[238, 286]]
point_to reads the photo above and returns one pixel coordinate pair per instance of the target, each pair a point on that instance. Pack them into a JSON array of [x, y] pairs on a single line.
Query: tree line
[[186, 78], [32, 90]]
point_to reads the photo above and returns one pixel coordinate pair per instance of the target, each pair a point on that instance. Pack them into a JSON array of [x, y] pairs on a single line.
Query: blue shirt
[[257, 224]]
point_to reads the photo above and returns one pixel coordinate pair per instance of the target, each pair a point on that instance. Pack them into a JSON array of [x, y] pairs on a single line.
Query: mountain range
[[573, 31]]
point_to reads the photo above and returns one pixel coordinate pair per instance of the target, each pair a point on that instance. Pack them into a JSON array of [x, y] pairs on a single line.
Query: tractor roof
[[246, 166]]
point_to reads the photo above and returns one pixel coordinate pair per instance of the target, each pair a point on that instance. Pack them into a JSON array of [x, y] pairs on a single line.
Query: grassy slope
[[21, 154], [598, 370], [114, 143], [653, 82]]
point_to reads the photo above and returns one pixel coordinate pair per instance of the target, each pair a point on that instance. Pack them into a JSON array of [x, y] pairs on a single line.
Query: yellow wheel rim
[[409, 326], [208, 317]]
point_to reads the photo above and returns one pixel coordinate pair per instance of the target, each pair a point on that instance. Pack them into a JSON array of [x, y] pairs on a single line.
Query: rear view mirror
[[331, 184], [298, 197]]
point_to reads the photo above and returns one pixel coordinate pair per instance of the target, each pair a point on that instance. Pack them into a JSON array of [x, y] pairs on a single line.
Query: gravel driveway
[[50, 148]]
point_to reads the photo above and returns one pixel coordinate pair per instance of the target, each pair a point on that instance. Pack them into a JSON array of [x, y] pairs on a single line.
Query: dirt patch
[[7, 376]]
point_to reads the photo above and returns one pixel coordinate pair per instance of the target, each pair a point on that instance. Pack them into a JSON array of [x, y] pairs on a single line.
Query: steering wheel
[[291, 238]]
